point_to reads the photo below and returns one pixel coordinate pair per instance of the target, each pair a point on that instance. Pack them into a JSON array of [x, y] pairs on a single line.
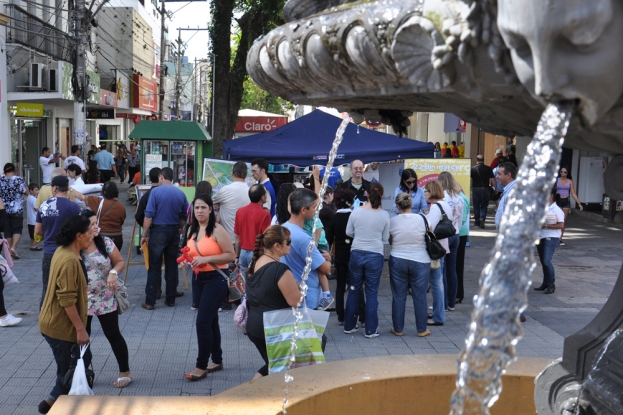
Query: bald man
[[357, 183]]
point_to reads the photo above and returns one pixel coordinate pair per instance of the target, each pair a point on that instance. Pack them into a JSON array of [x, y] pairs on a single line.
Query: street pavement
[[163, 346]]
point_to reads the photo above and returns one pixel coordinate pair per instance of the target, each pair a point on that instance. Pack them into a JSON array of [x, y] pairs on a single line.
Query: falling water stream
[[495, 328], [298, 315]]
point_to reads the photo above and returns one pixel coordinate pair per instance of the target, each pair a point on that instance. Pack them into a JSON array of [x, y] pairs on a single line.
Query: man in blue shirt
[[50, 217], [164, 217], [259, 171], [303, 204], [506, 175], [105, 164]]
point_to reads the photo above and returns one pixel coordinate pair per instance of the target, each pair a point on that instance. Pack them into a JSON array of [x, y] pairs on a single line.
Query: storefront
[[29, 122]]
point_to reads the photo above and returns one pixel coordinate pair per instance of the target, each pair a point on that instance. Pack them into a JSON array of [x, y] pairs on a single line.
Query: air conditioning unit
[[53, 80], [37, 72]]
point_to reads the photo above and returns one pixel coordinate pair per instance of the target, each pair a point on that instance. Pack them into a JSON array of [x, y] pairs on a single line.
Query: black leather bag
[[433, 247], [75, 355], [489, 193], [444, 228]]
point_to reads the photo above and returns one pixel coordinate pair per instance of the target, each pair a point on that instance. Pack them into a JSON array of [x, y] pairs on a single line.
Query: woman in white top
[[409, 264], [551, 233], [369, 228], [452, 191], [434, 196]]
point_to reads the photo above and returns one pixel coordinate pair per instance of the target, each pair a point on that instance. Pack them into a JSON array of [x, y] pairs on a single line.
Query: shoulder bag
[[444, 228], [235, 280], [121, 295], [434, 248]]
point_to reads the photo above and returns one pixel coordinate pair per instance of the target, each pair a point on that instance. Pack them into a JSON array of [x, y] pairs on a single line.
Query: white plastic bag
[[79, 383], [6, 274]]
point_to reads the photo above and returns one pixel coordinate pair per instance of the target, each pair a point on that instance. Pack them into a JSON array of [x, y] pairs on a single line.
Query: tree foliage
[[251, 18]]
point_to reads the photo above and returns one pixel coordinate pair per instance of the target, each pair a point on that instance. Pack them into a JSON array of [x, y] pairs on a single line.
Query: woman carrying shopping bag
[[63, 316], [270, 285]]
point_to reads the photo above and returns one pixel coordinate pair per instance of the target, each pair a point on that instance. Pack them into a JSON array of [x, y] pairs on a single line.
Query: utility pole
[[163, 15], [81, 28], [178, 77]]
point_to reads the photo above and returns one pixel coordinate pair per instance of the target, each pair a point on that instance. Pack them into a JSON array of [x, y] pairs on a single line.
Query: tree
[[256, 17], [256, 98]]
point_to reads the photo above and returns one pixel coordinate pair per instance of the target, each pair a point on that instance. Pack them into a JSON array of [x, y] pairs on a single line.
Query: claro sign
[[259, 124]]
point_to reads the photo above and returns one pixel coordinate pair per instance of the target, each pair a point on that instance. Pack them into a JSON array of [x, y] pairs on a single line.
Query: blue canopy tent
[[308, 140]]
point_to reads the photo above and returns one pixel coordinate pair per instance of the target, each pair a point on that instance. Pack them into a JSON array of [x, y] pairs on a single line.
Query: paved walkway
[[163, 344]]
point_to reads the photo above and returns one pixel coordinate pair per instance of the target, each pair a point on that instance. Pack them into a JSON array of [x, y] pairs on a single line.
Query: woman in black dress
[[270, 285]]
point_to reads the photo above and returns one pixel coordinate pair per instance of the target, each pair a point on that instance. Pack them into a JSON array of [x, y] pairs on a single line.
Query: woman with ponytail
[[210, 246], [369, 228], [63, 316], [270, 285]]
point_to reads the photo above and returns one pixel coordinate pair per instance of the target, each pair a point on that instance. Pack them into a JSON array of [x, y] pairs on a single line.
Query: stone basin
[[413, 384]]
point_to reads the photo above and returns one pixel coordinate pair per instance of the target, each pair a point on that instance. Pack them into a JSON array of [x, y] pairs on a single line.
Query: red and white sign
[[462, 125], [259, 124], [144, 93]]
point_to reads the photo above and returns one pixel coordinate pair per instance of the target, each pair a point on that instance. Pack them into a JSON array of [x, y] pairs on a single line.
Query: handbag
[[6, 273], [434, 248], [121, 295], [241, 315], [235, 280], [444, 228], [76, 352]]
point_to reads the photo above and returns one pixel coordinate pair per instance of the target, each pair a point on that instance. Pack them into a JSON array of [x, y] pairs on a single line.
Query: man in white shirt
[[232, 197], [47, 161], [74, 159]]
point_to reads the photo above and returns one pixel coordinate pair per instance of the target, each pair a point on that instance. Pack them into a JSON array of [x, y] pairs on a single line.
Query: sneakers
[[373, 335], [562, 244], [353, 330], [325, 303], [9, 320], [450, 309], [194, 307]]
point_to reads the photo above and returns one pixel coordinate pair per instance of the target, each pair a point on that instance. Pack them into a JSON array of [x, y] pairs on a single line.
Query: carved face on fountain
[[567, 49]]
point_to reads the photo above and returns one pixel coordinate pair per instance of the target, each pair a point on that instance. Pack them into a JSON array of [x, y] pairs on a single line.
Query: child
[[32, 215], [323, 245]]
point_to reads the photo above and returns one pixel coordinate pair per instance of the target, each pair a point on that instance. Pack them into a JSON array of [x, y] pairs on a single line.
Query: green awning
[[170, 130]]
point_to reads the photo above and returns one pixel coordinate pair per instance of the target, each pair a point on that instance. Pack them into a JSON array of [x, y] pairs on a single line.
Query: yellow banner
[[428, 170], [26, 109]]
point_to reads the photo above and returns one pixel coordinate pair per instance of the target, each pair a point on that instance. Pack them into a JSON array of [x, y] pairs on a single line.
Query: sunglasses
[[410, 181], [288, 242], [563, 171]]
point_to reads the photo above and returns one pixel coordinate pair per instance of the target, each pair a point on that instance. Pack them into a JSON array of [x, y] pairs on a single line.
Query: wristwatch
[[113, 271]]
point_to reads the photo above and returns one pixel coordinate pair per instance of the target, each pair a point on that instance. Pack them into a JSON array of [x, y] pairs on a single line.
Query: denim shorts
[[13, 224]]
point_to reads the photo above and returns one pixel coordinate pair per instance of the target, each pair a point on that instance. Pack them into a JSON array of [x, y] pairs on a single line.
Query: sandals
[[213, 367], [424, 333], [433, 323], [126, 379]]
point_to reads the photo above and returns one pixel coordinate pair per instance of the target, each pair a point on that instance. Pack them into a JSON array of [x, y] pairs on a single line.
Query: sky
[[191, 14]]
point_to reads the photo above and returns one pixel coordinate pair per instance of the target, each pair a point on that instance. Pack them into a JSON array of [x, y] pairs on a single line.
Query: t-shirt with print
[[52, 213], [456, 215], [12, 194], [296, 261], [74, 160]]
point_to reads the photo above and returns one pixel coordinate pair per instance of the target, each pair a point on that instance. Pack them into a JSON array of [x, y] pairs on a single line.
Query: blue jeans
[[546, 249], [403, 273], [365, 267], [163, 240], [480, 205], [62, 355], [245, 260], [212, 290], [435, 280], [450, 279]]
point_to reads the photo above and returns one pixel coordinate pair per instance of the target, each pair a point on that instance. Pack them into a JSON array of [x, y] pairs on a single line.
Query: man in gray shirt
[[232, 197]]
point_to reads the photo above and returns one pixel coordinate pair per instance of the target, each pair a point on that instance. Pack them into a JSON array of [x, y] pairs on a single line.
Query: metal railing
[[29, 30]]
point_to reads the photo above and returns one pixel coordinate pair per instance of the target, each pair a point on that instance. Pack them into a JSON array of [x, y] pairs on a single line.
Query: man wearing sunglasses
[[357, 183]]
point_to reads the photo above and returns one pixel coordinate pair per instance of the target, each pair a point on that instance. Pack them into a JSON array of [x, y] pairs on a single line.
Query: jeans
[[546, 249], [343, 278], [480, 205], [212, 290], [45, 275], [450, 281], [163, 240], [403, 273], [121, 172], [62, 355], [365, 267], [245, 260], [460, 267], [436, 288]]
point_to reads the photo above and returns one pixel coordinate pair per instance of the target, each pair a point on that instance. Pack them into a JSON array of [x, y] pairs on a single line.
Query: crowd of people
[[266, 234]]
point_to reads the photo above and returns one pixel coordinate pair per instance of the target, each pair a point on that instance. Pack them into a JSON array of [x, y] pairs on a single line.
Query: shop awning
[[170, 130]]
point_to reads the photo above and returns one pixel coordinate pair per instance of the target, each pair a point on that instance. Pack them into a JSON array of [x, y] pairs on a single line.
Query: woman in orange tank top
[[209, 243]]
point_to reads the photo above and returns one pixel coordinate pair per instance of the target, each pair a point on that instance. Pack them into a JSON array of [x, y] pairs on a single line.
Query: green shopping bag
[[279, 329]]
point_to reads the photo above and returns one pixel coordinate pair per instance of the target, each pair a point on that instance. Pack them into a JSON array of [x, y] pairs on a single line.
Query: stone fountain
[[495, 64]]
